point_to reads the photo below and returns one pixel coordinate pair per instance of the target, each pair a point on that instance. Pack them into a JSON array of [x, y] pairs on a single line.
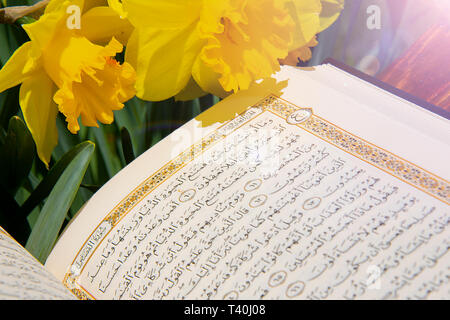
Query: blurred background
[[405, 43]]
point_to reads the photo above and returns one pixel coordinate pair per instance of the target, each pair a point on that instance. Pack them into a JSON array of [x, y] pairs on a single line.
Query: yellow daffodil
[[302, 53], [311, 17], [101, 23], [306, 17], [116, 5], [331, 9], [60, 69], [184, 46]]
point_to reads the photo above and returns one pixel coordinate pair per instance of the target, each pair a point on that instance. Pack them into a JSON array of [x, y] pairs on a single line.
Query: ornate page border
[[384, 160]]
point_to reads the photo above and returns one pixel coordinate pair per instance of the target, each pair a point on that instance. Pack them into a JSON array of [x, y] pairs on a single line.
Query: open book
[[318, 185]]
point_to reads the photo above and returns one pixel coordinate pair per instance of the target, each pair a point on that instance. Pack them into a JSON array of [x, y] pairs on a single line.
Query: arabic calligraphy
[[275, 212], [23, 278]]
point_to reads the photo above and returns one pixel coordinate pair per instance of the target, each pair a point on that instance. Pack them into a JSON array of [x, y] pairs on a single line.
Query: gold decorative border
[[144, 189], [368, 152], [319, 127]]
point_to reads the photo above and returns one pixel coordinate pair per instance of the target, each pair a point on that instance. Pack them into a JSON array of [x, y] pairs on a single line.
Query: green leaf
[[186, 110], [10, 218], [136, 108], [159, 122], [66, 140], [17, 155], [25, 20], [132, 117], [48, 225], [97, 169], [110, 158], [5, 50], [150, 126], [206, 102], [90, 187], [9, 105], [127, 146], [46, 185]]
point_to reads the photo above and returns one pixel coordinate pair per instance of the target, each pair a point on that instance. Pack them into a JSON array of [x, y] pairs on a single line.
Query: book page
[[22, 277], [307, 192]]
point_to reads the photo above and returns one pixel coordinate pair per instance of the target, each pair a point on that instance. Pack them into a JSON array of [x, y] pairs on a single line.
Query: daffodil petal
[[17, 68], [163, 60], [70, 55], [39, 112], [100, 24], [44, 30], [164, 14], [190, 92], [132, 50], [305, 14], [253, 35], [55, 5], [89, 4], [302, 53], [117, 6], [207, 79], [331, 9]]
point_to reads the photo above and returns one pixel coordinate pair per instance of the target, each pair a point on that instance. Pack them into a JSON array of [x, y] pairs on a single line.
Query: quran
[[316, 184]]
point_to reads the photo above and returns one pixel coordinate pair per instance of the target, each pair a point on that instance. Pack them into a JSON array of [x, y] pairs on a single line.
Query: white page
[[23, 277], [85, 261]]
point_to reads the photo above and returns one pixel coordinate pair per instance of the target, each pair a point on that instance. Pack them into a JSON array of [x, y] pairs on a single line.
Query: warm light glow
[[443, 6]]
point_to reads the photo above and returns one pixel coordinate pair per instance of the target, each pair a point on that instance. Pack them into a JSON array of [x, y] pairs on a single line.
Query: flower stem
[[10, 15]]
